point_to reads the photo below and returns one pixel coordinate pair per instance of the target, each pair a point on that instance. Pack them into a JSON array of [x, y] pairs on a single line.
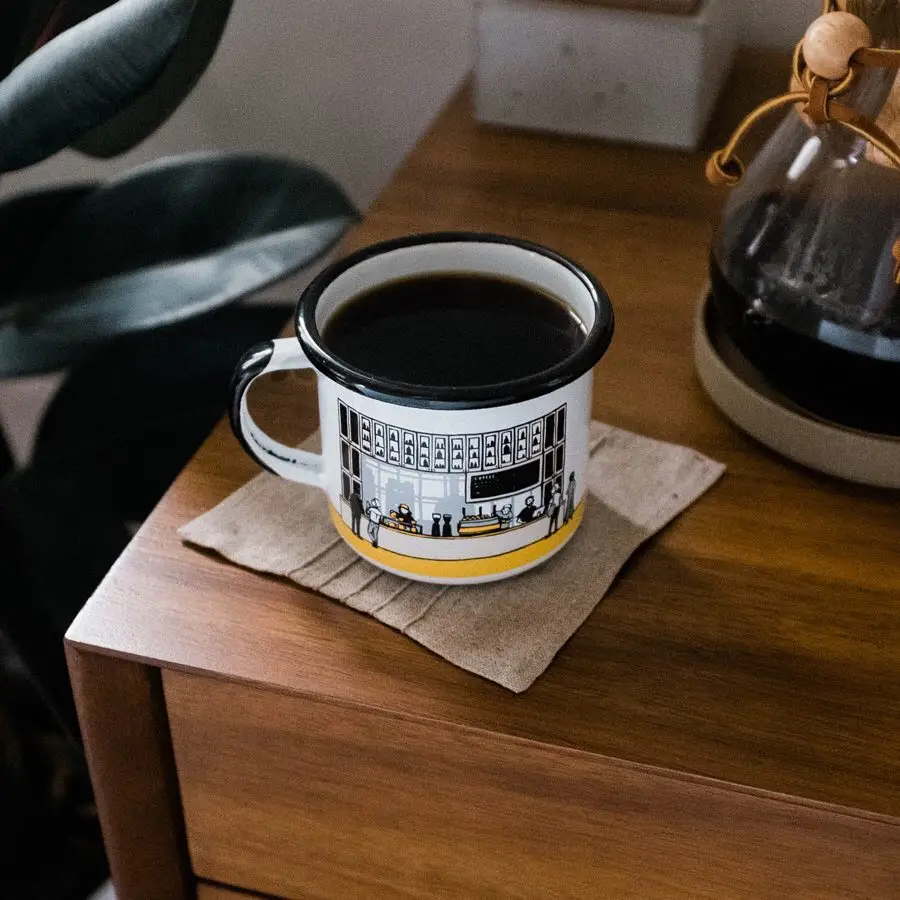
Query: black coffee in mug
[[454, 329]]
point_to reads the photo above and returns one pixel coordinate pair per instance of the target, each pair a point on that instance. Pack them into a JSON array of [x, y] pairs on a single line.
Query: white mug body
[[459, 496], [448, 485]]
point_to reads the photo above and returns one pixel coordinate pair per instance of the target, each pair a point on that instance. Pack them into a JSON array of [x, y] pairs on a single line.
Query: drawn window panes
[[521, 443], [457, 454], [537, 437], [549, 434], [426, 470], [473, 452], [408, 451], [491, 451], [425, 458], [380, 441], [441, 461], [506, 448], [394, 446]]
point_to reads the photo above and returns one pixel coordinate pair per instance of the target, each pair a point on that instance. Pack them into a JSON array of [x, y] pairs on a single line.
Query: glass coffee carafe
[[802, 264]]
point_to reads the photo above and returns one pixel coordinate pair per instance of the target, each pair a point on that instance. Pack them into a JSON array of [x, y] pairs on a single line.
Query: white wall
[[347, 84]]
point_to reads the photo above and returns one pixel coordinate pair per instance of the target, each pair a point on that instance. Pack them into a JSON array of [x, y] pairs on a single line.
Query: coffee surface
[[453, 330]]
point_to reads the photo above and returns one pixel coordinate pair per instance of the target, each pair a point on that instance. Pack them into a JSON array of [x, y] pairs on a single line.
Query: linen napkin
[[507, 631]]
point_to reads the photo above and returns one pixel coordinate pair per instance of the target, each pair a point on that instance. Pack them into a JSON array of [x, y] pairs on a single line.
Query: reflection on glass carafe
[[802, 267]]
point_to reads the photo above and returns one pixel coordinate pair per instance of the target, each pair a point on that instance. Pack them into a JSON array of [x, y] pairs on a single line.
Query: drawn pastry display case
[[470, 525]]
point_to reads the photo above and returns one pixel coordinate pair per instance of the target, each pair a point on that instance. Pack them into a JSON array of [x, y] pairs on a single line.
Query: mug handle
[[279, 355]]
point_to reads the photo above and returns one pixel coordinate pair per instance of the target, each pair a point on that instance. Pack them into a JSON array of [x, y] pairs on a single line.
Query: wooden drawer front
[[217, 892], [300, 798]]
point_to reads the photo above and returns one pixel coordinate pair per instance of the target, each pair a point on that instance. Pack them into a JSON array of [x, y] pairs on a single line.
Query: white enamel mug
[[455, 485]]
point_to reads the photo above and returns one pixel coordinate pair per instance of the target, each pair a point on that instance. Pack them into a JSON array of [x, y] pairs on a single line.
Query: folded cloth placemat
[[507, 631]]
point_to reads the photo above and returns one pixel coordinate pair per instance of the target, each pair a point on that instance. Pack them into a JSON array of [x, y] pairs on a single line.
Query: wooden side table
[[726, 723]]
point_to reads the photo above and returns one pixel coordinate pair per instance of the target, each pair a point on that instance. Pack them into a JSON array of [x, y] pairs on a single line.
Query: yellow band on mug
[[460, 569]]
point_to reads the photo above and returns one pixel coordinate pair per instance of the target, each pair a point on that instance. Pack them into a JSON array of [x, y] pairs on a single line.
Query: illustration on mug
[[505, 488]]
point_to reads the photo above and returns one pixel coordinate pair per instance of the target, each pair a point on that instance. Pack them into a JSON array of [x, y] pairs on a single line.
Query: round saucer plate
[[744, 396]]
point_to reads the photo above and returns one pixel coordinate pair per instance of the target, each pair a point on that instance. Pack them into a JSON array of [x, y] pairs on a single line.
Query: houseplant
[[130, 286]]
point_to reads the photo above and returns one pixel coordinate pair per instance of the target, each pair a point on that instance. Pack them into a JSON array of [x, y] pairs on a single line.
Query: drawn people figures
[[553, 507], [570, 498], [447, 530], [356, 511], [505, 515], [405, 516], [529, 511], [435, 524], [373, 513]]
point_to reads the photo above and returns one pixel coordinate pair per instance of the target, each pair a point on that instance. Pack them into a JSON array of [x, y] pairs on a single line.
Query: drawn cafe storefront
[[437, 488]]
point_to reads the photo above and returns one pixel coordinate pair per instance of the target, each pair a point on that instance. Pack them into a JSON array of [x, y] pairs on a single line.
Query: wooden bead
[[714, 174], [723, 176], [830, 42]]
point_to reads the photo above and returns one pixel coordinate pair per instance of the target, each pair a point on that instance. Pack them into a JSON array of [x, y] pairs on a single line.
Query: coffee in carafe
[[803, 264]]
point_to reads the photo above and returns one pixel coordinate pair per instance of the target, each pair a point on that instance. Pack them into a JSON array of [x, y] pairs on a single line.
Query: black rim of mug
[[583, 359]]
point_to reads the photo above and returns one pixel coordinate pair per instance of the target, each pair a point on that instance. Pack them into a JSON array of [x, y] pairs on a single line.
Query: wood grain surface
[[459, 160], [312, 800], [755, 640], [126, 739], [209, 891]]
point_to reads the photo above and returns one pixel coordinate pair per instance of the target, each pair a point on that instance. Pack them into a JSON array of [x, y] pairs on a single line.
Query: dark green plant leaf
[[26, 27], [7, 463], [163, 243], [127, 419], [189, 60], [85, 75], [24, 222]]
